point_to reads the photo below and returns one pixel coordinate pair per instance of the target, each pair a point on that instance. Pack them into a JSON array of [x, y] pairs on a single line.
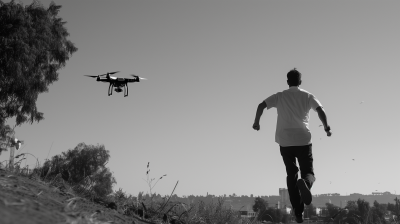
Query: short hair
[[294, 77]]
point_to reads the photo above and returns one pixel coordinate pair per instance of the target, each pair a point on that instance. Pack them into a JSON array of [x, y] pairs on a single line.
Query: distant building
[[343, 203], [247, 214], [284, 195], [318, 211], [287, 210], [328, 195], [382, 193], [356, 194]]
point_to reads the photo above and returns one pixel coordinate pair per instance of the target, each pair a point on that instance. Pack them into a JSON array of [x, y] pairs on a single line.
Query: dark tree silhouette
[[6, 133], [82, 162], [363, 209], [33, 47], [332, 209], [260, 206]]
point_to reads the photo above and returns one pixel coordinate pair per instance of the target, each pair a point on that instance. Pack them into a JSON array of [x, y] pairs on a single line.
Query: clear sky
[[209, 64]]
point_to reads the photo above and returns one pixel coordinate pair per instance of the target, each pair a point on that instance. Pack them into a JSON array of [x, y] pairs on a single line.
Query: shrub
[[84, 168]]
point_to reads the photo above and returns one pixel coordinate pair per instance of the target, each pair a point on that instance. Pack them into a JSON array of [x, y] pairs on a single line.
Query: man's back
[[293, 106]]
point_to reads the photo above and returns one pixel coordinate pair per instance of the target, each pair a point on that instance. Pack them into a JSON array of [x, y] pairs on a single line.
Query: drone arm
[[133, 80]]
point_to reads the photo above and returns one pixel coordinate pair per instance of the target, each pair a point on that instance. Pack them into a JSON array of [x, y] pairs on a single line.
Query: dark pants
[[305, 159]]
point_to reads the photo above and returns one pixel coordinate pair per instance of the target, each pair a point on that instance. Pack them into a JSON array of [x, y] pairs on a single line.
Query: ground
[[24, 200]]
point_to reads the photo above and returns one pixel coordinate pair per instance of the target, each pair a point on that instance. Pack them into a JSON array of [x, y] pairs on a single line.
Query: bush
[[84, 168]]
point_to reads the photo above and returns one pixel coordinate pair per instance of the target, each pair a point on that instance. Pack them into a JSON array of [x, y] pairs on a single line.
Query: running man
[[294, 137]]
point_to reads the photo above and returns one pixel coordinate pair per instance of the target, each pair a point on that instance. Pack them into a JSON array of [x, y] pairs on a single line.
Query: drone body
[[116, 82]]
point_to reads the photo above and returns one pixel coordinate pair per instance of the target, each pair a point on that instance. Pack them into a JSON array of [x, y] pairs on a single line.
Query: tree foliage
[[363, 209], [378, 212], [33, 47], [260, 205], [6, 133], [276, 214], [332, 209], [84, 165], [266, 213], [361, 212]]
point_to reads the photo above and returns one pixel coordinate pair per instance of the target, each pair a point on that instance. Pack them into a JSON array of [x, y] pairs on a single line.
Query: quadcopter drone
[[116, 82]]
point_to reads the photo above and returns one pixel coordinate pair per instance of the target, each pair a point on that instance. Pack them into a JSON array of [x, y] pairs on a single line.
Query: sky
[[208, 65]]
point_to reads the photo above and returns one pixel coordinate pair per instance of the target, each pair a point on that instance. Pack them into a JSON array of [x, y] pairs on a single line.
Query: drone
[[116, 82]]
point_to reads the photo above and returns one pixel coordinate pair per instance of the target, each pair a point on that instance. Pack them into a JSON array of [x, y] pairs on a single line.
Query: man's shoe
[[305, 193], [299, 217]]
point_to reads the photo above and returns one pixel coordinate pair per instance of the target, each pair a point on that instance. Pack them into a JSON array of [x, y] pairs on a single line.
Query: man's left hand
[[256, 127]]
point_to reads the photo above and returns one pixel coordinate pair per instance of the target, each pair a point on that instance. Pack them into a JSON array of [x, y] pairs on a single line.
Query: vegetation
[[355, 212], [33, 47], [81, 172], [84, 168], [6, 133], [265, 213], [360, 212]]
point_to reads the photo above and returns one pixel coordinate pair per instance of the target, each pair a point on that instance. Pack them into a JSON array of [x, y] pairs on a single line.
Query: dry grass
[[65, 204]]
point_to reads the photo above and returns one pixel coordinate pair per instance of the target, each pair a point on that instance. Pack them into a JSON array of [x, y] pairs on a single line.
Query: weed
[[149, 180]]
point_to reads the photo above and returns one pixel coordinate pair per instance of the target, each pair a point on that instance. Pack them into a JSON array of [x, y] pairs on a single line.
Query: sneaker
[[299, 217], [305, 193]]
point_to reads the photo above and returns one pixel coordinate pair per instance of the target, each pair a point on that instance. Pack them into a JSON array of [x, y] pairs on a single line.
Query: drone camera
[[98, 78], [118, 90]]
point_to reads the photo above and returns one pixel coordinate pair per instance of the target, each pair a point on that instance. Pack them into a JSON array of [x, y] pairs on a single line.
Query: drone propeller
[[108, 73], [138, 77]]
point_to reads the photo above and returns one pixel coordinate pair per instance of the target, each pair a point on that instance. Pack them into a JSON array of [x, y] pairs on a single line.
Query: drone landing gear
[[126, 94], [118, 89], [110, 89]]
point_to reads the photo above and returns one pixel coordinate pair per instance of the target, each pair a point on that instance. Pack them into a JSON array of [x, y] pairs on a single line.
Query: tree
[[353, 212], [82, 162], [352, 206], [103, 181], [363, 209], [397, 208], [260, 206], [6, 133], [332, 209], [33, 47], [275, 214], [378, 212]]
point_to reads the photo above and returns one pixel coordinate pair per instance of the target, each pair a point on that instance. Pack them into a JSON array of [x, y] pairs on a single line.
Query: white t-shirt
[[293, 106]]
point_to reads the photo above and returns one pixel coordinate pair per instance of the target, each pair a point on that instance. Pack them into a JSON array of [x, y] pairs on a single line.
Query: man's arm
[[260, 110], [324, 120]]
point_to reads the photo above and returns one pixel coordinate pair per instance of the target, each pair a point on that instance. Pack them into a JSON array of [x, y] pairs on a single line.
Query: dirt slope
[[24, 200]]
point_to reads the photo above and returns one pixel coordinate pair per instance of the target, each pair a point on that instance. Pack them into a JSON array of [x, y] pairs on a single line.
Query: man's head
[[293, 77]]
